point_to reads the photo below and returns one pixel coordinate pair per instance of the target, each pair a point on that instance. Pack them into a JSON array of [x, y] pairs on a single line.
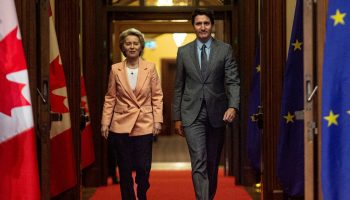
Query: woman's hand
[[157, 127], [104, 131]]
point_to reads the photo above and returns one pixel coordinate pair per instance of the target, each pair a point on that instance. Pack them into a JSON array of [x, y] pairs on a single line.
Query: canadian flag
[[19, 177], [87, 145], [62, 164]]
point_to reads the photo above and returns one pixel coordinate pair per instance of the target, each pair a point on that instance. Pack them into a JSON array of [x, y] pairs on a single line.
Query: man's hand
[[104, 131], [179, 129], [157, 127], [230, 115]]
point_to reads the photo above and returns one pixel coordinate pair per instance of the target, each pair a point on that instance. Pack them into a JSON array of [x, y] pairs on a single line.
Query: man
[[206, 97]]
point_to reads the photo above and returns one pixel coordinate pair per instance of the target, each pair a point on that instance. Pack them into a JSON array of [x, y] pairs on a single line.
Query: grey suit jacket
[[220, 86]]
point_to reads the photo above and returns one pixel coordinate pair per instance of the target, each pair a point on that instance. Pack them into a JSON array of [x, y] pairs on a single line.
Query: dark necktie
[[204, 60]]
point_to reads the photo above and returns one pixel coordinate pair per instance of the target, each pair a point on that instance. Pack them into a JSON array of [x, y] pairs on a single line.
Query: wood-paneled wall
[[273, 59], [95, 70], [321, 18], [67, 23], [248, 35]]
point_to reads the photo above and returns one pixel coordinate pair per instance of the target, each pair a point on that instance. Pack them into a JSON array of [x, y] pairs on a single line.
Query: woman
[[132, 114]]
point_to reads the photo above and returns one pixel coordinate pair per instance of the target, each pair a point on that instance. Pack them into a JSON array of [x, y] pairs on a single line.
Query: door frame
[[229, 16], [169, 128]]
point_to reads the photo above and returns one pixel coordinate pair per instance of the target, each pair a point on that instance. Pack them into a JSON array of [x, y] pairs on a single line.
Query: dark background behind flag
[[290, 152], [336, 103], [254, 134]]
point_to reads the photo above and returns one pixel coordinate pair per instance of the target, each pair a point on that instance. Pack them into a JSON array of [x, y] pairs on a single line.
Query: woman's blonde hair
[[126, 33]]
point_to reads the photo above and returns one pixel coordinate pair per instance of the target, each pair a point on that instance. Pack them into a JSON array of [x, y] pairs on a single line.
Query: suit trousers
[[205, 145], [133, 153]]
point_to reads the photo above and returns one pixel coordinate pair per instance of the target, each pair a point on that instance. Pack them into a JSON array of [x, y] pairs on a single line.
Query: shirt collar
[[207, 44]]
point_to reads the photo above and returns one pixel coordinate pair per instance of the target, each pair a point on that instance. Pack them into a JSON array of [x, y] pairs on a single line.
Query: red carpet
[[176, 185]]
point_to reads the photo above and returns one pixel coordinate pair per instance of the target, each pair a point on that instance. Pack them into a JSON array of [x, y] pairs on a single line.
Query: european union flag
[[290, 153], [254, 134], [336, 103]]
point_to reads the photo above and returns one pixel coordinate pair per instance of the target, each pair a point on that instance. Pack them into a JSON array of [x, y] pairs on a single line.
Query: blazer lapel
[[142, 75], [124, 81]]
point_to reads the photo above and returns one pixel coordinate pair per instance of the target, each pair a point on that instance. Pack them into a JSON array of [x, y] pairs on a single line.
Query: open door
[[314, 36]]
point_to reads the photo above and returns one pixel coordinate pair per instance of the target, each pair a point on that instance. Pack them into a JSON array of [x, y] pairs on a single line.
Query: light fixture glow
[[179, 38], [164, 2]]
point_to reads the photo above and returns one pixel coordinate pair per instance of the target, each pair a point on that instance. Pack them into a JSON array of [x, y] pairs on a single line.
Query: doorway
[[168, 78], [154, 22]]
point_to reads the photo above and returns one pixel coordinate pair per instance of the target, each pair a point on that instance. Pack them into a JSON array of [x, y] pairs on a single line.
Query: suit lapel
[[124, 81], [194, 56], [142, 75], [212, 56]]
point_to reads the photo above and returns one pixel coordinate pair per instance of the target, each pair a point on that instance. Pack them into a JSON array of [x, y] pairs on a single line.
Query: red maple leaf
[[11, 60], [57, 81], [57, 103]]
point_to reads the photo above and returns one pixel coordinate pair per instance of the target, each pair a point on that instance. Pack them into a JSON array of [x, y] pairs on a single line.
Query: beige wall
[[165, 49], [290, 8]]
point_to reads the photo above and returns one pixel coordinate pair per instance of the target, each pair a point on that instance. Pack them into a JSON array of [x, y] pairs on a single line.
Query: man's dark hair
[[203, 11]]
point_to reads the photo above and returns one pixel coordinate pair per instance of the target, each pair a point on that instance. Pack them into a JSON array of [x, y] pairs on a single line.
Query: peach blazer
[[133, 112]]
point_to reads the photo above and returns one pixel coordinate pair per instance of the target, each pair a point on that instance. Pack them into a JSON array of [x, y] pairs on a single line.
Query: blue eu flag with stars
[[254, 133], [290, 152], [335, 167]]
